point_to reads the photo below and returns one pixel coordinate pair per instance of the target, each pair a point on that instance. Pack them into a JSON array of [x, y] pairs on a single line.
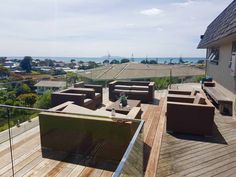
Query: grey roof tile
[[224, 25]]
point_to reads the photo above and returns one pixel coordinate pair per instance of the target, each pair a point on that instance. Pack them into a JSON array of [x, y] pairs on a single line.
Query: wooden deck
[[180, 155], [188, 155], [28, 160]]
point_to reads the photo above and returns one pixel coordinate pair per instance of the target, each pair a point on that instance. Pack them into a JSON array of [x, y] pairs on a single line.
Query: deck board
[[153, 129], [155, 152]]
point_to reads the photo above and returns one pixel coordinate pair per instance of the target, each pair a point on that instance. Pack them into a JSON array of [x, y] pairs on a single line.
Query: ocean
[[160, 60]]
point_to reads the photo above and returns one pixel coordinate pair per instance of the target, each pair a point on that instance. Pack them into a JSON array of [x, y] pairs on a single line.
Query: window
[[234, 47], [233, 53], [213, 55]]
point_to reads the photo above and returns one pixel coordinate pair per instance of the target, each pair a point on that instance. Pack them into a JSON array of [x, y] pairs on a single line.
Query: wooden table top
[[126, 109]]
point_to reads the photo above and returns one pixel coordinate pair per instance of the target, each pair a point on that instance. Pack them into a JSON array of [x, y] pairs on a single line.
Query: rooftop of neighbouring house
[[45, 83], [134, 70]]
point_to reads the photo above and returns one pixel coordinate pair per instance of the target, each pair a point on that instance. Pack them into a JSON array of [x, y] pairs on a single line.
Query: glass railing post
[[10, 140]]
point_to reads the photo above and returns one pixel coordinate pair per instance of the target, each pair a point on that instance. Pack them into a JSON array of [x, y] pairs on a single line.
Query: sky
[[94, 28]]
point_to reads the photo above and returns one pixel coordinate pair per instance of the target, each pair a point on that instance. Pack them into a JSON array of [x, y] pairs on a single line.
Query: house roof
[[50, 84], [223, 26]]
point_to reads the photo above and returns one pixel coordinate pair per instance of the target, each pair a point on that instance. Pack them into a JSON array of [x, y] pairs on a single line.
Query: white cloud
[[151, 12], [92, 27], [184, 4]]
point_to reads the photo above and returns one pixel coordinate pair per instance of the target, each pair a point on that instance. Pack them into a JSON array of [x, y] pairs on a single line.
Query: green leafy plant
[[123, 100], [44, 102]]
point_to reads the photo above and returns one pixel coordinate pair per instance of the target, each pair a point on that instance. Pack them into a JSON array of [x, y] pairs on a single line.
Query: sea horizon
[[101, 59]]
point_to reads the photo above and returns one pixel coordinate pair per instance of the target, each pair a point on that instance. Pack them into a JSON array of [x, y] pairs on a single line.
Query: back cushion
[[124, 87]]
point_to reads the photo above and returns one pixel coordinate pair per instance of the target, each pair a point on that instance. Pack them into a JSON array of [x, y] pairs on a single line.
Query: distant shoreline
[[160, 60]]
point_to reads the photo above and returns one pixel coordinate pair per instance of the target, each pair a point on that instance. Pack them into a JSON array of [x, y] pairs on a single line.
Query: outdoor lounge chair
[[194, 115], [96, 88], [136, 90], [85, 97], [95, 136]]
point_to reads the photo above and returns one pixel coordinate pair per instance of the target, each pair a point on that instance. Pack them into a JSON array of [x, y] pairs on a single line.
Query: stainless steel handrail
[[69, 113]]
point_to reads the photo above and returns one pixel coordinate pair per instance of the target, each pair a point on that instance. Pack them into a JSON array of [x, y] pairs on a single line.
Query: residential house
[[43, 86], [220, 42]]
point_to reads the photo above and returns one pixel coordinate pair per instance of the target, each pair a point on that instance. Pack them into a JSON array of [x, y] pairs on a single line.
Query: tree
[[2, 60], [114, 61], [26, 64], [106, 62], [28, 98], [152, 62], [49, 62], [200, 62], [23, 88], [11, 95], [145, 62], [71, 78], [44, 101], [72, 60], [92, 64], [124, 60], [4, 72], [9, 102], [57, 72], [181, 61]]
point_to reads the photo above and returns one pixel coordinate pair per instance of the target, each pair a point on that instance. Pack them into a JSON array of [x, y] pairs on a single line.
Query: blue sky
[[163, 28]]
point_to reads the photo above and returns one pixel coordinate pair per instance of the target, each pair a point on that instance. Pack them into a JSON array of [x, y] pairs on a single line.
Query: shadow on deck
[[216, 136]]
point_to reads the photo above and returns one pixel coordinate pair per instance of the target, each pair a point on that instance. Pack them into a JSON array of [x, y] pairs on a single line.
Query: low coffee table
[[126, 109]]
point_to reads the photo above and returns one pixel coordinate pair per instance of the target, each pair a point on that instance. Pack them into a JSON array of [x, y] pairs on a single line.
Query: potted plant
[[123, 100]]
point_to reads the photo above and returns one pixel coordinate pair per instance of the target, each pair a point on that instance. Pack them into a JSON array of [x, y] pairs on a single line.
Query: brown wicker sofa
[[193, 114], [85, 97], [137, 90], [99, 138], [96, 88]]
